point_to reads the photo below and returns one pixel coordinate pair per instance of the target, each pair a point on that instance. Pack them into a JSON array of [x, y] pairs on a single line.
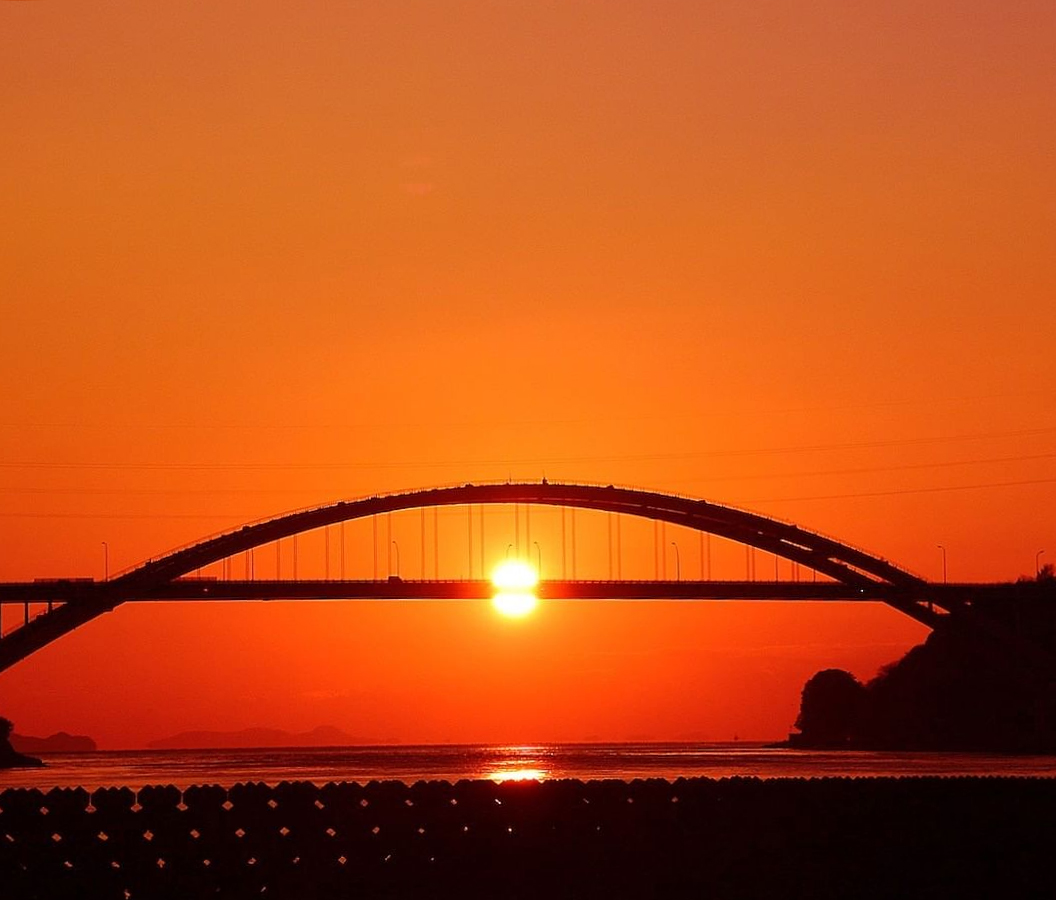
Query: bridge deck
[[205, 589]]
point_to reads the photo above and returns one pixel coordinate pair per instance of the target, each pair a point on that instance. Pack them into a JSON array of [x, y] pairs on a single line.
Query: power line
[[465, 463], [895, 493], [768, 476], [742, 502], [492, 422], [865, 470]]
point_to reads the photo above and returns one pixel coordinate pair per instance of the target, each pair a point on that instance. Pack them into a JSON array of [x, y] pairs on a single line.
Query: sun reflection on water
[[518, 775], [519, 763]]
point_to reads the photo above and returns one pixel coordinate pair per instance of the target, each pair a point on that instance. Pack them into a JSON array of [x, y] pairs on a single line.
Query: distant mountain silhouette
[[60, 742], [9, 757], [323, 736]]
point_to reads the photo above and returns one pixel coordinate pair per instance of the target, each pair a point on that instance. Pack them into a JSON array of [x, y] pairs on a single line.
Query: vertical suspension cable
[[608, 520], [573, 543], [656, 550], [564, 548]]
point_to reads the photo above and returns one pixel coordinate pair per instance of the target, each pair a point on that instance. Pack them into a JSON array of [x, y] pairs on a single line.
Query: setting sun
[[515, 581], [515, 575]]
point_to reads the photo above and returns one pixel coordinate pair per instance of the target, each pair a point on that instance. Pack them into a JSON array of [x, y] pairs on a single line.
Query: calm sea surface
[[451, 763]]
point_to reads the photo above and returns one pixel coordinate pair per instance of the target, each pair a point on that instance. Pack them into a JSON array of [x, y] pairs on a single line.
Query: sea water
[[625, 761]]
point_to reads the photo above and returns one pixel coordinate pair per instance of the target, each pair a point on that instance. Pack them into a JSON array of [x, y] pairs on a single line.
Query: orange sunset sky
[[793, 256]]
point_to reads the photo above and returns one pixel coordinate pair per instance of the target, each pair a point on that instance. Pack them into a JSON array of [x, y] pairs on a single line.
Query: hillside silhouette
[[949, 693]]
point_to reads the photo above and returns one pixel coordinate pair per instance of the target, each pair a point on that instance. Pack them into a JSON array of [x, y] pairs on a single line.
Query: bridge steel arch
[[846, 564]]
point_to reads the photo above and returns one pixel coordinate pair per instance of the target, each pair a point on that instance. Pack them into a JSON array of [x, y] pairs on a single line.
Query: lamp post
[[678, 563], [106, 560], [397, 546], [943, 549], [539, 558], [1037, 563], [509, 547]]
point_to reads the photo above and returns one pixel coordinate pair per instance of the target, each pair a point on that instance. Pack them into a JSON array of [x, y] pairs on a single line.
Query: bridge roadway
[[76, 591]]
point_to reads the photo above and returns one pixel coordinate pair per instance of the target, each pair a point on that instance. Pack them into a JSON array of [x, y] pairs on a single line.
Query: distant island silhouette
[[60, 742], [950, 693], [9, 757], [323, 736]]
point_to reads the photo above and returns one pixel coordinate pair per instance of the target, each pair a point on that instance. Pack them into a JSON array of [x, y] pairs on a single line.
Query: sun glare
[[515, 582], [514, 575], [514, 605]]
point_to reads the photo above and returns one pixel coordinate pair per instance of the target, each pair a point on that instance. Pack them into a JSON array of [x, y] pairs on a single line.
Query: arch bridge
[[854, 573]]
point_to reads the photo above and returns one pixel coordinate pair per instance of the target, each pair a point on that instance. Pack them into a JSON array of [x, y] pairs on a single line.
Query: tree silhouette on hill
[[831, 709]]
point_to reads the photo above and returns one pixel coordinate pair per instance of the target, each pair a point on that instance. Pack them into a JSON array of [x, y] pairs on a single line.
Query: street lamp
[[397, 546], [539, 558], [943, 549], [106, 560], [678, 563], [1037, 563], [509, 547]]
